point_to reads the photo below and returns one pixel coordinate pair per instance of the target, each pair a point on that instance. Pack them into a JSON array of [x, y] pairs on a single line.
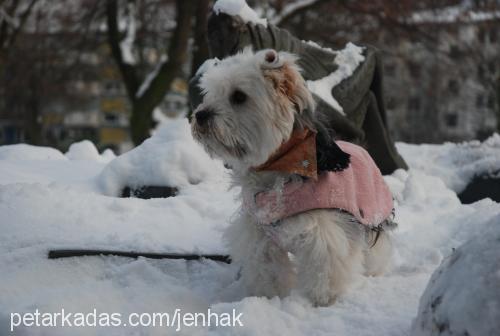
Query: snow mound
[[170, 157], [455, 164], [24, 152], [49, 204], [239, 8], [347, 60], [463, 295], [83, 150], [108, 155]]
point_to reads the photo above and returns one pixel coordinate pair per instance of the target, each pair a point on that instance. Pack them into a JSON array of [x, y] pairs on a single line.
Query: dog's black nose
[[203, 116]]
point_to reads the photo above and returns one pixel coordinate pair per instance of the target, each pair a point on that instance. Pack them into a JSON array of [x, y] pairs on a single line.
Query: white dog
[[301, 225]]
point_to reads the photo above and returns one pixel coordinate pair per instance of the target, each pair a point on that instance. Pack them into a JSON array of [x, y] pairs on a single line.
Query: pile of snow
[[239, 8], [455, 164], [463, 295], [48, 204], [107, 155], [170, 158], [34, 164], [86, 150], [28, 152], [347, 60]]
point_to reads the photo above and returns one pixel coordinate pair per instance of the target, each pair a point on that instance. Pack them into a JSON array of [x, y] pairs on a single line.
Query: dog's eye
[[238, 97]]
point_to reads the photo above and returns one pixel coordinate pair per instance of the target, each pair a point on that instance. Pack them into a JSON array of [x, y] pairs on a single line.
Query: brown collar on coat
[[297, 155]]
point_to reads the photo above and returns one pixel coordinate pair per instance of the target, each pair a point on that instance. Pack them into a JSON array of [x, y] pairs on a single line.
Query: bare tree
[[41, 51], [13, 16], [200, 48], [285, 13], [145, 93]]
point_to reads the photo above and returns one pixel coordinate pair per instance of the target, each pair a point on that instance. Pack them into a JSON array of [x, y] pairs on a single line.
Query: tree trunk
[[141, 122], [498, 104], [32, 126], [143, 105], [200, 48]]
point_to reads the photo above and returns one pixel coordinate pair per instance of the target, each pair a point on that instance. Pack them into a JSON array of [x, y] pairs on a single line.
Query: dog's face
[[250, 105]]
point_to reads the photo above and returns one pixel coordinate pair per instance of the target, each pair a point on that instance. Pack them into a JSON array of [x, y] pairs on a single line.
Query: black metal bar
[[56, 254]]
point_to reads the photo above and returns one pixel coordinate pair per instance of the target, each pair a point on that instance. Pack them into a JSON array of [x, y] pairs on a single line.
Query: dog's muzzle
[[203, 116]]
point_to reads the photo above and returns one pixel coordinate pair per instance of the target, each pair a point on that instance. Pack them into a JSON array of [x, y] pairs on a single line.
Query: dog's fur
[[252, 103]]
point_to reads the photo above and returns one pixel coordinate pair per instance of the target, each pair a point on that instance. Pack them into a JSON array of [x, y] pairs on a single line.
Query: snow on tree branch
[[293, 9], [239, 8], [149, 78], [127, 44], [10, 20]]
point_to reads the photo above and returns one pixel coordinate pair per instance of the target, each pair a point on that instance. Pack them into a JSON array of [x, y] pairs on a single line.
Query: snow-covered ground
[[51, 200]]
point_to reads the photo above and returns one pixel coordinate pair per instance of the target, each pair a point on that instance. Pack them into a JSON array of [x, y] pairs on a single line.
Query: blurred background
[[109, 70]]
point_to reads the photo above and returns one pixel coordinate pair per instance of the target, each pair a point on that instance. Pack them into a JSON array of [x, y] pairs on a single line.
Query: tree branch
[[177, 54], [6, 22], [20, 24], [292, 10], [127, 71]]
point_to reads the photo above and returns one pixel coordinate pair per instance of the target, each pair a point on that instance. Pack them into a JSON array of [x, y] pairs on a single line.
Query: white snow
[[66, 203], [29, 152], [347, 60], [85, 150], [169, 158], [239, 8], [463, 296], [127, 44], [455, 164], [317, 45], [107, 155]]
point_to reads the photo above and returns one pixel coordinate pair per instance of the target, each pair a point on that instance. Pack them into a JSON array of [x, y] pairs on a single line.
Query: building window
[[491, 101], [111, 118], [480, 100], [481, 34], [491, 67], [453, 86], [451, 120], [493, 35], [455, 52], [414, 104], [480, 71], [112, 87], [414, 69]]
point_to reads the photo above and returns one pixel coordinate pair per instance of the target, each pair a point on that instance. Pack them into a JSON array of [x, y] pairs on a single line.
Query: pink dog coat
[[359, 190]]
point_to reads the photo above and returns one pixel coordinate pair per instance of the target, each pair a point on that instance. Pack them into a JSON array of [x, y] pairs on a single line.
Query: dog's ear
[[329, 156], [284, 74], [271, 59]]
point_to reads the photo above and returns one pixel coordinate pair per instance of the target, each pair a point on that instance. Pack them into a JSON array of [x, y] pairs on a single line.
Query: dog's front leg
[[266, 269], [328, 253]]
